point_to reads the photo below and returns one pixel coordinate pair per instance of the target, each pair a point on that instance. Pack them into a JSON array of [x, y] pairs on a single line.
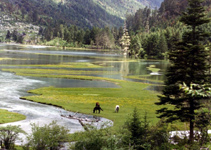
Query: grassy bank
[[128, 96], [82, 100], [6, 116]]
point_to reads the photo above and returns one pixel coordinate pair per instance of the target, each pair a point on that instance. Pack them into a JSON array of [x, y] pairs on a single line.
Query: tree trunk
[[191, 137]]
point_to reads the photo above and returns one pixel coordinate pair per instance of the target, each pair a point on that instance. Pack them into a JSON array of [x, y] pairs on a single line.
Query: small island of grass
[[6, 116]]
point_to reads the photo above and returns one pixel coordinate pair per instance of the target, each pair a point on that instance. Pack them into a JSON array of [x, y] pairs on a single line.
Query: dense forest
[[99, 13], [45, 12]]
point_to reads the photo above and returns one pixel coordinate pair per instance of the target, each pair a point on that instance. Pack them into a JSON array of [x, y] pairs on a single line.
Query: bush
[[94, 139], [137, 134], [47, 137], [9, 134]]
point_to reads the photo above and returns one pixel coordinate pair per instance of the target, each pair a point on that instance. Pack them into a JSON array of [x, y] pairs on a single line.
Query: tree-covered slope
[[76, 12], [174, 8], [119, 7], [83, 13]]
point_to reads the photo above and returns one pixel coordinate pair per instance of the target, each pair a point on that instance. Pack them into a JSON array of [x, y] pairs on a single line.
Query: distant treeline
[[153, 32], [77, 37]]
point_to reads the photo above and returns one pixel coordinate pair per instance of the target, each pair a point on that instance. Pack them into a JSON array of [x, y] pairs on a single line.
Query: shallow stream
[[13, 87]]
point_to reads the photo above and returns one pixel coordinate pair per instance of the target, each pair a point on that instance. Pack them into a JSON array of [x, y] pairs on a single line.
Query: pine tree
[[138, 129], [188, 65], [125, 40], [163, 46], [136, 48]]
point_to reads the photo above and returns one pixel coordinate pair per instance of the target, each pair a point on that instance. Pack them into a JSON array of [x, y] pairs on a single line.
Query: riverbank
[[7, 116], [40, 46], [129, 96]]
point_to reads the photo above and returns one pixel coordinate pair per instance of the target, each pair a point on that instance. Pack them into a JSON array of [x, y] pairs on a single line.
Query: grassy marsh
[[144, 78], [54, 72], [63, 65], [128, 96], [6, 116], [153, 68]]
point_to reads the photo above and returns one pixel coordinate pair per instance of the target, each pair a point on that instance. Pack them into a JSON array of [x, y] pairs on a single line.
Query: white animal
[[117, 109]]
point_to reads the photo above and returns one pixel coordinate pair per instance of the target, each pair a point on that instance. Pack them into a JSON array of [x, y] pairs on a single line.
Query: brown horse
[[97, 108]]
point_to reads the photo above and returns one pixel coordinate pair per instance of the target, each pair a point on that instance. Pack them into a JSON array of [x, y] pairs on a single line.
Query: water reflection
[[13, 87], [30, 55]]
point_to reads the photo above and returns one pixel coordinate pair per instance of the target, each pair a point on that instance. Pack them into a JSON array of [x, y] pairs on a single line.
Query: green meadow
[[144, 78], [129, 94], [62, 65]]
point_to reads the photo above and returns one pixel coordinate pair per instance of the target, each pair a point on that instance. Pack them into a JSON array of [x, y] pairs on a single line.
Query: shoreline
[[62, 48]]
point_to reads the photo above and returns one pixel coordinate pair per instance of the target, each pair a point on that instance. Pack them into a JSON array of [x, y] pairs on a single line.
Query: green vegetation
[[63, 65], [42, 138], [153, 69], [68, 12], [6, 116], [55, 72], [8, 136], [156, 34], [144, 78], [130, 95], [50, 136], [99, 13], [189, 61], [155, 31], [136, 133]]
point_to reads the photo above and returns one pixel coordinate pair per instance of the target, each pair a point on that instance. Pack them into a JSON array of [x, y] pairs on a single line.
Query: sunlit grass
[[56, 72], [129, 96], [63, 65], [144, 78], [6, 116], [6, 58], [153, 68]]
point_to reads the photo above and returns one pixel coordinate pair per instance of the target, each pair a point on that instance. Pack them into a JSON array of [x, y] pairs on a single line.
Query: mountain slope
[[151, 3], [83, 13], [173, 8], [74, 12], [121, 7]]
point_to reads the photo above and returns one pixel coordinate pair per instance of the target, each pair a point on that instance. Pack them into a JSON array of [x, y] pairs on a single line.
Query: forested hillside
[[81, 13], [154, 32], [45, 12], [122, 7]]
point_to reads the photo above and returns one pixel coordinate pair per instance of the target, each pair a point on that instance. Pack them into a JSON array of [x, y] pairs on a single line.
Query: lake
[[13, 87]]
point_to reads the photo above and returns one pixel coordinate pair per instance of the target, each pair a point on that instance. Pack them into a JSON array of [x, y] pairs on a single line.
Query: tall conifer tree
[[188, 65]]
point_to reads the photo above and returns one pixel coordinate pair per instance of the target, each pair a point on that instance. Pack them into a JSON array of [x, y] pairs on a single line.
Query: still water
[[13, 87]]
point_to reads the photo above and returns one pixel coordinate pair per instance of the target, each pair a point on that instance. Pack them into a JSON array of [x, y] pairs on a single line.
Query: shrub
[[97, 139], [9, 134], [47, 137]]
